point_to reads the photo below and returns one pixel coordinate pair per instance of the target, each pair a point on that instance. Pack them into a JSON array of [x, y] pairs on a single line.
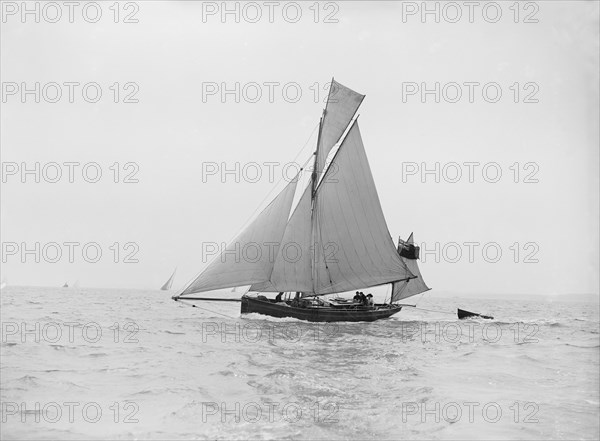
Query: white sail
[[250, 257], [355, 249], [342, 104], [169, 283], [293, 270], [336, 239], [408, 288], [353, 246]]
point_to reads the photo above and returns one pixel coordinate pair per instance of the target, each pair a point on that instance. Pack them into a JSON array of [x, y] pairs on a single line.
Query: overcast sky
[[178, 57]]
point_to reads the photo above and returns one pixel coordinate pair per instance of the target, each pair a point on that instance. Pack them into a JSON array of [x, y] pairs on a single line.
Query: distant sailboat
[[66, 285], [335, 240], [168, 283]]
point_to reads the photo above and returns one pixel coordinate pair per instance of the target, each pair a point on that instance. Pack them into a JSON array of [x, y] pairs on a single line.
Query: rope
[[209, 310], [431, 310], [273, 188]]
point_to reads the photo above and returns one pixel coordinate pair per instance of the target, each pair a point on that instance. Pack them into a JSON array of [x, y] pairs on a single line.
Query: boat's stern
[[245, 308]]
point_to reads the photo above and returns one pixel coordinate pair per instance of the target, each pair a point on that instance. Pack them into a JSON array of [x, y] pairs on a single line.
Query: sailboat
[[66, 285], [167, 285], [335, 240]]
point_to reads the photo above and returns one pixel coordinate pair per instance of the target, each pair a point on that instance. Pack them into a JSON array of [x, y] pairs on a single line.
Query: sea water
[[117, 364]]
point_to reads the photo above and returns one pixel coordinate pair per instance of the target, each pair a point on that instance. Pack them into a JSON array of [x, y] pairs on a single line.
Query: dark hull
[[320, 314], [463, 314]]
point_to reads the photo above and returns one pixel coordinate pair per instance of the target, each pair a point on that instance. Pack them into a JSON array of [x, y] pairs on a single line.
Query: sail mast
[[313, 212], [317, 168]]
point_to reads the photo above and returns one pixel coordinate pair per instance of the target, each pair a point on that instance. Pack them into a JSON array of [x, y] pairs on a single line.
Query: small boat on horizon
[[335, 240], [167, 285]]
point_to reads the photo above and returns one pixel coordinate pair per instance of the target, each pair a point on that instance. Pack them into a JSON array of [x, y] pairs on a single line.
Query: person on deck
[[363, 298], [357, 298], [370, 301], [296, 301], [278, 297]]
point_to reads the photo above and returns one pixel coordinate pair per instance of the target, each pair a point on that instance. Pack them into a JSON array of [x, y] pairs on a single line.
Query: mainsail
[[169, 283], [355, 249], [336, 239], [407, 288]]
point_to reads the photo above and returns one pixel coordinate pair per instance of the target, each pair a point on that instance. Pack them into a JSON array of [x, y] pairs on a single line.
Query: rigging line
[[433, 310], [199, 307], [430, 310], [260, 206]]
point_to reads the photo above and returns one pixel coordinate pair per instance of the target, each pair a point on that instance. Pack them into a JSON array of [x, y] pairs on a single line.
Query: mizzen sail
[[408, 288]]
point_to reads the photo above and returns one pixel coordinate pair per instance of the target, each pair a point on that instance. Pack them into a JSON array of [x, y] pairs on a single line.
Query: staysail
[[249, 258], [292, 270], [169, 283], [408, 288]]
